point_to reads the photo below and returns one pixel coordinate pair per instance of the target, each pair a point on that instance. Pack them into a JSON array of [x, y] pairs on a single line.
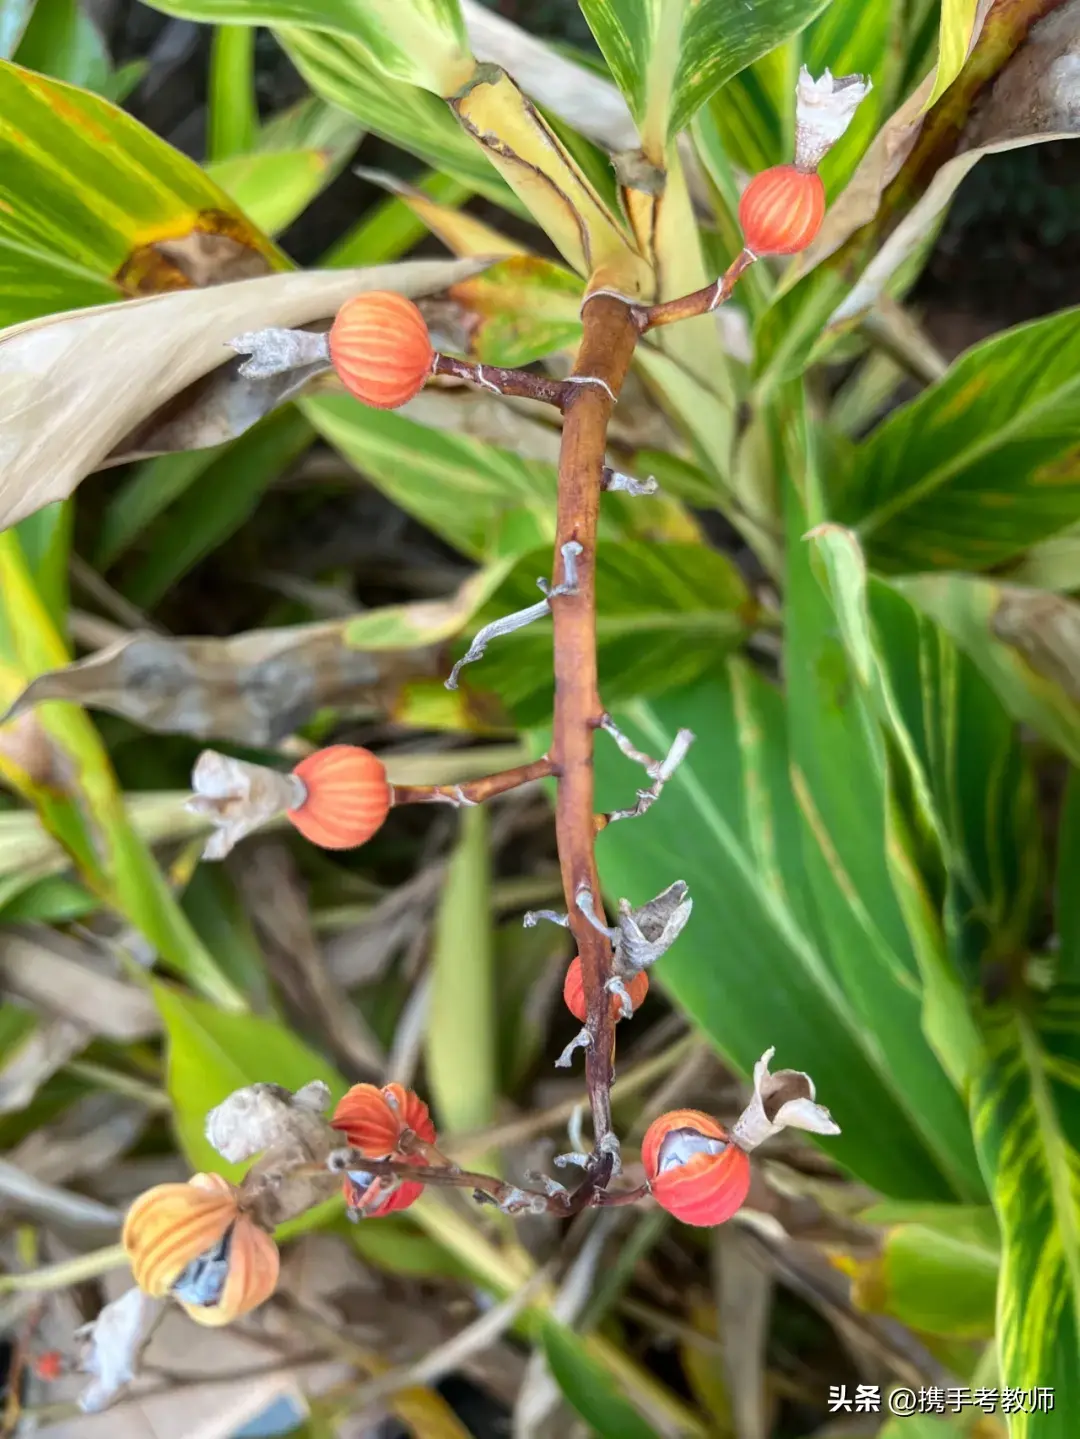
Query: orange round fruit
[[347, 796], [381, 349], [781, 210], [574, 991]]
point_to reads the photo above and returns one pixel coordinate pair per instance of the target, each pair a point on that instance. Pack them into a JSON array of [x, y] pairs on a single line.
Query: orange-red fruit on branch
[[781, 210], [574, 991], [348, 796], [381, 349], [192, 1241], [375, 1121], [693, 1169]]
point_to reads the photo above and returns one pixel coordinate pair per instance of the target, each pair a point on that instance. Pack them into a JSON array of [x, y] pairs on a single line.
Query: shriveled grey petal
[[111, 1345]]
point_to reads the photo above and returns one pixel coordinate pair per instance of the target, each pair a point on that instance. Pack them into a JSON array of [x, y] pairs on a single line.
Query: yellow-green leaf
[[528, 154], [94, 207], [955, 29], [421, 42]]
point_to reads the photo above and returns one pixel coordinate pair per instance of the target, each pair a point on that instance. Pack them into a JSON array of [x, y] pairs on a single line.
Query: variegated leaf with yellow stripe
[[420, 42], [1026, 1118]]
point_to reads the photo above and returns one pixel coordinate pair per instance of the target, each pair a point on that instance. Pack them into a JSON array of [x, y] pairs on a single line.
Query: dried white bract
[[823, 110], [275, 351], [781, 1100], [266, 1117], [110, 1347], [238, 797]]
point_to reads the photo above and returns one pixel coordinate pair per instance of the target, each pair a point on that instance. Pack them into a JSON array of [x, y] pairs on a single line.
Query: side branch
[[474, 791], [607, 348], [522, 383], [698, 302]]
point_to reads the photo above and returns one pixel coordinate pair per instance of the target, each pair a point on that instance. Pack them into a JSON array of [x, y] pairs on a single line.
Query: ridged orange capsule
[[348, 796], [781, 210], [373, 1120], [574, 991], [693, 1169], [193, 1242], [381, 349]]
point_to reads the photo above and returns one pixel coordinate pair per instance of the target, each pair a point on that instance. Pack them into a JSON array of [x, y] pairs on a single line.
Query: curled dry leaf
[[781, 1100], [532, 160], [254, 688], [238, 797], [110, 1347], [83, 386], [586, 101]]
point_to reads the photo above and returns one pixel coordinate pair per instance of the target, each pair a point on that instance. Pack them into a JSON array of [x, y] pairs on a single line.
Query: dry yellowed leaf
[[73, 385]]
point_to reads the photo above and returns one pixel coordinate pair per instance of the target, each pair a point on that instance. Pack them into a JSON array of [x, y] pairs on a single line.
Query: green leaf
[[1025, 1112], [1025, 642], [114, 860], [461, 1020], [210, 1054], [754, 967], [220, 498], [954, 36], [62, 41], [486, 501], [669, 56], [665, 614], [273, 187], [589, 1386], [418, 42], [884, 938], [978, 781], [1066, 890], [521, 309], [232, 118], [983, 464], [340, 69], [88, 195], [934, 1281]]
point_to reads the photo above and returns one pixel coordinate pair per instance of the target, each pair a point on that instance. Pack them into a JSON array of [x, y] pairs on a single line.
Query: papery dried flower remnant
[[781, 1100], [238, 797], [387, 1123], [824, 108]]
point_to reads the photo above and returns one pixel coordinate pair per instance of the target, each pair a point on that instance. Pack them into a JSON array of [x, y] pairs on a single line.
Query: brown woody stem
[[607, 348], [521, 383], [474, 791], [698, 302]]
